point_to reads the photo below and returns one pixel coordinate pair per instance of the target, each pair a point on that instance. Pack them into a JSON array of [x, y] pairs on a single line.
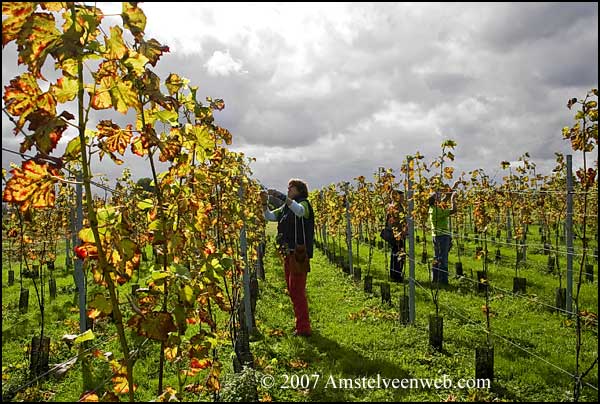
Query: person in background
[[396, 220], [440, 230], [296, 223]]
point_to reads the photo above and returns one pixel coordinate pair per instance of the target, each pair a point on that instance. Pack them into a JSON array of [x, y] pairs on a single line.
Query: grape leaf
[[48, 130], [23, 96], [38, 37], [18, 13], [154, 325], [153, 50], [116, 139], [134, 20], [115, 46], [31, 185]]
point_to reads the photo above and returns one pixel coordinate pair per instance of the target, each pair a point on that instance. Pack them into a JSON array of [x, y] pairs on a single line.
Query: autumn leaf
[[81, 31], [18, 13], [86, 250], [449, 143], [111, 90], [169, 394], [134, 20], [154, 325], [174, 83], [115, 46], [170, 149], [23, 96], [31, 185], [200, 364], [48, 130], [448, 172], [217, 104], [224, 134], [298, 364], [116, 139], [571, 102], [213, 383], [153, 50], [140, 144], [38, 37], [588, 178], [120, 385], [265, 398], [123, 96], [65, 89], [195, 388], [171, 353], [89, 397]]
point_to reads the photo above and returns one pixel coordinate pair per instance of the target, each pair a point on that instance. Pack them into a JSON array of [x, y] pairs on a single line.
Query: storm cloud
[[327, 92]]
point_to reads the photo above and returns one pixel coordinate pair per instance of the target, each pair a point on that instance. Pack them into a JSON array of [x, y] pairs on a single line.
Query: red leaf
[[200, 364]]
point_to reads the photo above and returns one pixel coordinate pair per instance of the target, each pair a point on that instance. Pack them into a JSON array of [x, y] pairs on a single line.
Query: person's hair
[[300, 186]]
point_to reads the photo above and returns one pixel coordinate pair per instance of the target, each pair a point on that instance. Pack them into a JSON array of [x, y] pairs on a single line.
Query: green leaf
[[65, 89], [170, 117], [181, 271], [186, 293], [86, 235], [155, 225], [129, 248], [145, 204], [101, 303], [107, 216], [227, 262], [159, 275], [86, 336], [180, 315]]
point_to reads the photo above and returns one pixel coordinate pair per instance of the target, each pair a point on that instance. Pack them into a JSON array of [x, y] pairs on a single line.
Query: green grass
[[354, 336]]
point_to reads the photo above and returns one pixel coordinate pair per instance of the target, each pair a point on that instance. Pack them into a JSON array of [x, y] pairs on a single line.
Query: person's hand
[[277, 194], [264, 198]]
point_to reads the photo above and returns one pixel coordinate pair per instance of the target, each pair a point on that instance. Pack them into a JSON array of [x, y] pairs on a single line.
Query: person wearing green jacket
[[440, 230]]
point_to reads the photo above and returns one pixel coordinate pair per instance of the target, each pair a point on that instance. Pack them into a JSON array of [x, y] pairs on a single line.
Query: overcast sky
[[327, 92]]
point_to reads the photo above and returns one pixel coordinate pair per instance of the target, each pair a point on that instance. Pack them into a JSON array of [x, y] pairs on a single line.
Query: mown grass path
[[357, 337]]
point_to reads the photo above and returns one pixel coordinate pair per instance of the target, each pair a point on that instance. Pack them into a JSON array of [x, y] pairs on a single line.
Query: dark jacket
[[288, 222]]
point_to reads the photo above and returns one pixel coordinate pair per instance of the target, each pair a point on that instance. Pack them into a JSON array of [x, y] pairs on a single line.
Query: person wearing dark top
[[295, 227]]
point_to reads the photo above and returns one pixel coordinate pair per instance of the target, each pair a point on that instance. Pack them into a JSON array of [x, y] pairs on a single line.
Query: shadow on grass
[[345, 363]]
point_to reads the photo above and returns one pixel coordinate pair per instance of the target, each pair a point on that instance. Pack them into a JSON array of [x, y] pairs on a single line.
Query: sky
[[328, 92]]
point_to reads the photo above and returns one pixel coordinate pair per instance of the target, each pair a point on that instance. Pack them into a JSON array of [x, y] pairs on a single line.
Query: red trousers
[[296, 286]]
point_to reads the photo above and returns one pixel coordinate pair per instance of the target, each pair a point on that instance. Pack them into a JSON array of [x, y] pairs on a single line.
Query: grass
[[355, 336]]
